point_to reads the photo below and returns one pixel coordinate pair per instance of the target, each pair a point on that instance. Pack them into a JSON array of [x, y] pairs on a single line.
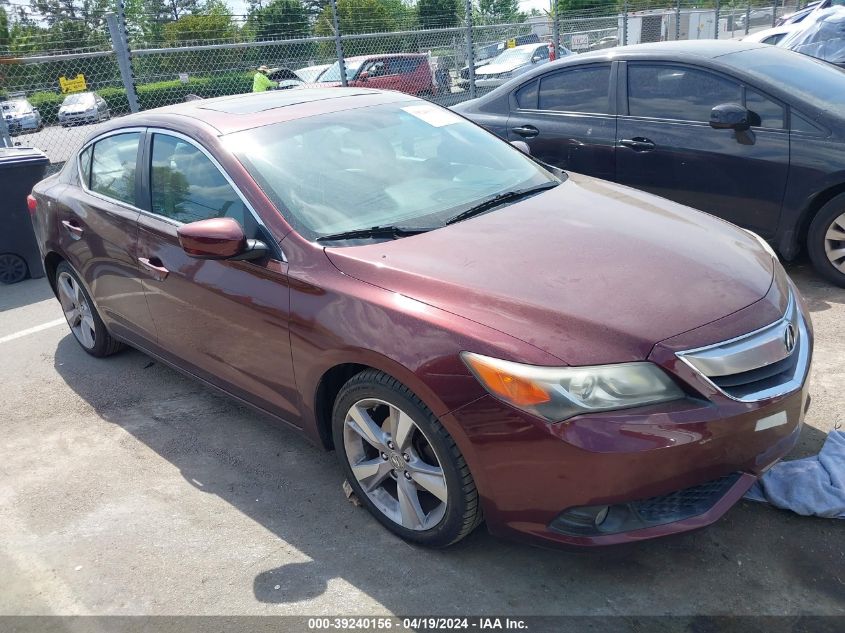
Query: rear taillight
[[31, 203]]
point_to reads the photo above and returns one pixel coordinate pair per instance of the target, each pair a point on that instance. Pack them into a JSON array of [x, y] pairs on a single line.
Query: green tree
[[4, 29], [280, 19], [434, 14], [214, 22], [358, 16], [500, 11]]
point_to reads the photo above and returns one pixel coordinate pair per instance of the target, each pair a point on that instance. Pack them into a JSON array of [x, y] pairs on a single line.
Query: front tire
[[85, 323], [402, 464], [826, 241]]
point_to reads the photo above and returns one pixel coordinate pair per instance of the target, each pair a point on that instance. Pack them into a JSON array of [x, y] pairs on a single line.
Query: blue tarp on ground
[[813, 486]]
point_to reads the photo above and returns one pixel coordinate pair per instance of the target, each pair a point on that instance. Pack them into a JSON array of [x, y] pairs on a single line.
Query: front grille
[[686, 503], [770, 362]]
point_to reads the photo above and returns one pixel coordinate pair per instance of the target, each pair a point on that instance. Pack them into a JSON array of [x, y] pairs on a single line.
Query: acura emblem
[[789, 338]]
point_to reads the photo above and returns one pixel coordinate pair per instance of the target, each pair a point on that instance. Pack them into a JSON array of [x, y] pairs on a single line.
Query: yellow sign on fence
[[77, 84], [512, 43]]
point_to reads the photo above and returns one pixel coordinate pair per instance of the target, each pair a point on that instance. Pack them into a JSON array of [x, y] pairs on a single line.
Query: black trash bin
[[20, 169]]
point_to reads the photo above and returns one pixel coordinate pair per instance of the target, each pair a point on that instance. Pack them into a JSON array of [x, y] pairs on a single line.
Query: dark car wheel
[[402, 464], [85, 324], [12, 268], [826, 241]]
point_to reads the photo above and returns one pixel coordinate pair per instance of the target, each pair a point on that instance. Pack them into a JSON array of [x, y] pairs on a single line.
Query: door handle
[[74, 229], [155, 267], [526, 131], [638, 144]]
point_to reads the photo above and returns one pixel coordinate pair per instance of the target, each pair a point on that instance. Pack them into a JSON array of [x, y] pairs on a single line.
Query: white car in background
[[774, 35], [512, 62], [310, 74], [20, 115], [83, 107]]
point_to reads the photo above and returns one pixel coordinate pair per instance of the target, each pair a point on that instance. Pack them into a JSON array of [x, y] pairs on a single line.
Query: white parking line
[[32, 330]]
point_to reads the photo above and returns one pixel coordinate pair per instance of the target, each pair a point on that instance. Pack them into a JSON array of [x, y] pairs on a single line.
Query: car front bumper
[[653, 470], [85, 117]]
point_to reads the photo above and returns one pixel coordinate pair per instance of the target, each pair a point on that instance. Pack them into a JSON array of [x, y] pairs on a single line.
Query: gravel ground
[[126, 488]]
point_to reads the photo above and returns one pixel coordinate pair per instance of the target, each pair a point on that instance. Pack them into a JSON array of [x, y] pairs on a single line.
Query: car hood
[[590, 271], [73, 109], [495, 69]]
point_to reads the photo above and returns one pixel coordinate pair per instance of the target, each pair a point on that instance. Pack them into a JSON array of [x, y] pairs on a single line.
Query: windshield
[[515, 55], [410, 163], [81, 99], [333, 72], [816, 82]]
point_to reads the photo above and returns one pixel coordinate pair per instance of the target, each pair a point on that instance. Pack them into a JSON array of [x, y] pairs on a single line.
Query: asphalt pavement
[[126, 488]]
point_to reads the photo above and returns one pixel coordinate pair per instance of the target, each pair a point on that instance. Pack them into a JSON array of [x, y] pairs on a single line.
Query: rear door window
[[584, 90], [113, 166]]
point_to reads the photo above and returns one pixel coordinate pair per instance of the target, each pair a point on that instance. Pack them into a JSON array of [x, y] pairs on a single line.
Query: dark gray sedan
[[752, 133]]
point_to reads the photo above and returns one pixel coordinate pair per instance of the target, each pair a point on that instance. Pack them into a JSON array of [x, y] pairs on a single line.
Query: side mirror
[[522, 146], [535, 59], [364, 76], [730, 116], [218, 238]]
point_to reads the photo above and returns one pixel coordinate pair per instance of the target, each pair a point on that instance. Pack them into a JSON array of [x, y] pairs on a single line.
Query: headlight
[[763, 243], [558, 393]]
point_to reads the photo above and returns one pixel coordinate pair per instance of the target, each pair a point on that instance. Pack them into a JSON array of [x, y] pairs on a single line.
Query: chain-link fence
[[52, 97]]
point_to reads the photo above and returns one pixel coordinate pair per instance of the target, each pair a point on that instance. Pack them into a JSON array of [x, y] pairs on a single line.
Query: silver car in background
[[21, 116], [512, 62], [83, 107]]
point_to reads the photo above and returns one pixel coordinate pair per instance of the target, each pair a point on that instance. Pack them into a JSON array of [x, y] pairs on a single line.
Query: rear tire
[[82, 317], [418, 484], [826, 241], [13, 268]]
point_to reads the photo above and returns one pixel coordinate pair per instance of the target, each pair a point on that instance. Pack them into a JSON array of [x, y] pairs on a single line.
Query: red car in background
[[411, 73]]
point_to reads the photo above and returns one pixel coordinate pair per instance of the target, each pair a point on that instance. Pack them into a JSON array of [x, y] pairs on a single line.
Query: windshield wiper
[[391, 232], [502, 198]]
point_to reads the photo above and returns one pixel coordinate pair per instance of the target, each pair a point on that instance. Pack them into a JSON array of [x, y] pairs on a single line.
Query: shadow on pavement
[[24, 293], [755, 560]]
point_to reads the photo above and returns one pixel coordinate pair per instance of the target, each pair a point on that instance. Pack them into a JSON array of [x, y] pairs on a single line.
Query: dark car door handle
[[73, 228], [638, 144], [526, 131], [155, 267]]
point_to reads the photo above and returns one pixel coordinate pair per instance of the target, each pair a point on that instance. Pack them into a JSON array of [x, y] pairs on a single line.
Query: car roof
[[384, 56], [224, 115], [526, 46], [708, 49]]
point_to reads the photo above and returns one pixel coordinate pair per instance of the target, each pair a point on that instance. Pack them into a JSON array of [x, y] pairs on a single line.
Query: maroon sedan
[[480, 336]]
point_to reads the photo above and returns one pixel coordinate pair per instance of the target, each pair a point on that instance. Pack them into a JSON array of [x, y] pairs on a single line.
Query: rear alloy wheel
[[85, 324], [12, 268], [826, 240], [402, 463]]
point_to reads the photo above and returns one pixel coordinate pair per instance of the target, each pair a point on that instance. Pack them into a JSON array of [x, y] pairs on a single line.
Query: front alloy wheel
[[402, 463], [394, 464]]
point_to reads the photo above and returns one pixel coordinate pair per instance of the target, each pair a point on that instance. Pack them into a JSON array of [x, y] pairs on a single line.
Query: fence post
[[625, 23], [747, 16], [117, 30], [556, 29], [774, 13], [678, 21], [470, 49], [5, 137], [718, 14], [338, 45]]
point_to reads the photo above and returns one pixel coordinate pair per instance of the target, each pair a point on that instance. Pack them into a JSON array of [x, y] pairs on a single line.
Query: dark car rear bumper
[[529, 472]]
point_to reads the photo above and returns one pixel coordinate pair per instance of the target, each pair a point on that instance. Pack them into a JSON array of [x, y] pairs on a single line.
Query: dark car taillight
[[32, 204]]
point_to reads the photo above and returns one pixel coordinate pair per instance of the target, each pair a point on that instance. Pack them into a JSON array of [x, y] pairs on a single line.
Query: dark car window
[[802, 124], [771, 114], [113, 166], [677, 92], [526, 96], [577, 90], [186, 186], [85, 165], [404, 65]]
